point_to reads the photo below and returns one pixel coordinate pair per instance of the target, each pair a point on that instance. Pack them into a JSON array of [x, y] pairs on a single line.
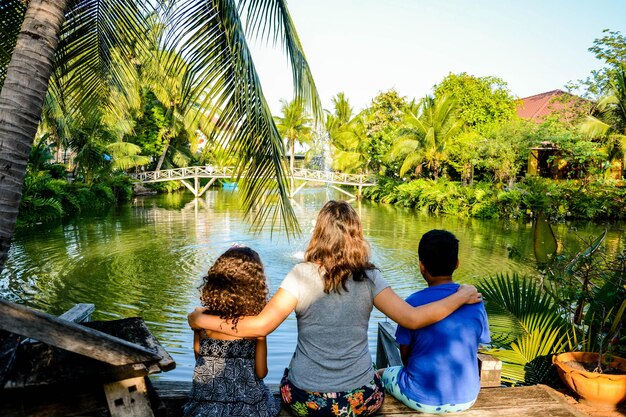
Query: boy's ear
[[422, 269], [457, 264]]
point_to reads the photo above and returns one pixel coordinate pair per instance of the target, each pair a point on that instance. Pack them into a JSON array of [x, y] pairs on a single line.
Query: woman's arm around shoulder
[[413, 318], [274, 313], [260, 357]]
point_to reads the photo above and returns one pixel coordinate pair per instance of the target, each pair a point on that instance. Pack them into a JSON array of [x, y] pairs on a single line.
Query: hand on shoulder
[[471, 293]]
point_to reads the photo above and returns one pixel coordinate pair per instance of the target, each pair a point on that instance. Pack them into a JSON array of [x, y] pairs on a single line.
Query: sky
[[363, 47]]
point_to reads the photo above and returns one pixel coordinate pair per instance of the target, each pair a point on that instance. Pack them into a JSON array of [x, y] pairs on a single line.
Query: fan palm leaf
[[525, 324]]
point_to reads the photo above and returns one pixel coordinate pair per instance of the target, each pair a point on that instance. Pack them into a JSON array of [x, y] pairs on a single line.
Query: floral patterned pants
[[363, 401]]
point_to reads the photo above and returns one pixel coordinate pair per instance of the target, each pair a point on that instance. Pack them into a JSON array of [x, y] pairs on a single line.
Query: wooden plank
[[39, 364], [387, 353], [79, 313], [135, 330], [128, 398], [531, 401], [70, 336]]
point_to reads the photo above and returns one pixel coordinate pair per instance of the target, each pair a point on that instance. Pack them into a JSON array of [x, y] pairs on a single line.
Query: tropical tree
[[505, 147], [609, 122], [611, 49], [463, 154], [382, 119], [294, 125], [212, 41], [480, 100], [428, 128], [347, 135]]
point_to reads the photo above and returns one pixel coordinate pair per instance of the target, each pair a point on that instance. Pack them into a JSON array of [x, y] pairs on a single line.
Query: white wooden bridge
[[185, 175]]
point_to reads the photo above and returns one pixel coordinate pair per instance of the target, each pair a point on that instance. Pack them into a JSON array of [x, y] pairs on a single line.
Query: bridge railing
[[187, 172], [330, 176], [209, 171]]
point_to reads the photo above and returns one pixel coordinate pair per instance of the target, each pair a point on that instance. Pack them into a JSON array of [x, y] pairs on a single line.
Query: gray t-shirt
[[332, 353]]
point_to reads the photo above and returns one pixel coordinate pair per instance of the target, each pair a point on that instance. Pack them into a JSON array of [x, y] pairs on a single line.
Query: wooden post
[[489, 368], [128, 398]]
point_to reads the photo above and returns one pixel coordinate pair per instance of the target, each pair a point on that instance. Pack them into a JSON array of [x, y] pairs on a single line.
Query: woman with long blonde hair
[[333, 292]]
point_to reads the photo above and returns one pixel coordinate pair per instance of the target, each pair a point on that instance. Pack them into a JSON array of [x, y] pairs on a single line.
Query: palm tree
[[294, 125], [348, 135], [428, 128], [211, 39], [610, 125]]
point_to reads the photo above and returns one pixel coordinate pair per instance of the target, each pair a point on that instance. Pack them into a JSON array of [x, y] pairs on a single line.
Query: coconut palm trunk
[[21, 102], [162, 157], [291, 160]]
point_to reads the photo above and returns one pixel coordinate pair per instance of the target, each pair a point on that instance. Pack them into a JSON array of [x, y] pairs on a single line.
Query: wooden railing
[[230, 172]]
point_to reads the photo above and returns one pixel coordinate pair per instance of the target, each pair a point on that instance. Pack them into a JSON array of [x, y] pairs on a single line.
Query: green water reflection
[[148, 258]]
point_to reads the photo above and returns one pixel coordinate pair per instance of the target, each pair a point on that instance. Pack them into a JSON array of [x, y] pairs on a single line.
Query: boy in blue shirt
[[440, 372]]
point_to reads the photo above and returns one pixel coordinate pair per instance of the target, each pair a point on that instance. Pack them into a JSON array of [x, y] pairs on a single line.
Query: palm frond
[[93, 30], [411, 161], [593, 127], [270, 19], [210, 38], [11, 18], [528, 359], [346, 161]]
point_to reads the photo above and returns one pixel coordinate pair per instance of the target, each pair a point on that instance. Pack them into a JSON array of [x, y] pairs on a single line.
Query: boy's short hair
[[438, 250]]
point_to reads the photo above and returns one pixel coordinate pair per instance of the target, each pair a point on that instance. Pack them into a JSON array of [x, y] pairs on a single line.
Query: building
[[544, 160]]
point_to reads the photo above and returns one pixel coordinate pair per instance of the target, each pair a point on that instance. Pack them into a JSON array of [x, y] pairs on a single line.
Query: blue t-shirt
[[442, 366]]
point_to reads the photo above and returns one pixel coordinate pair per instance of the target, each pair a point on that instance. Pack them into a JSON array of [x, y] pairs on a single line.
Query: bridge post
[[196, 185]]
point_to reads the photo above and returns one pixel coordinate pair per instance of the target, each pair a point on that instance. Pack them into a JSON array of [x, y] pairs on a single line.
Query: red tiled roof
[[537, 107]]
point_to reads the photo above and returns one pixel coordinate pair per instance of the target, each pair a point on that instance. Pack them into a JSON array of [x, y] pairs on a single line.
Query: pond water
[[148, 258]]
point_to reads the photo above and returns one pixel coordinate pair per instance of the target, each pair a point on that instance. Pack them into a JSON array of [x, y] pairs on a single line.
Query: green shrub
[[558, 200]]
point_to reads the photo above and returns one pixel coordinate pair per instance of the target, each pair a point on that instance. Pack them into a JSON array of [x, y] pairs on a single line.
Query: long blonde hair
[[338, 247]]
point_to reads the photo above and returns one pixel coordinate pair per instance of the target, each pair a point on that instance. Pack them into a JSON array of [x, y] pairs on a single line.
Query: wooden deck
[[533, 401]]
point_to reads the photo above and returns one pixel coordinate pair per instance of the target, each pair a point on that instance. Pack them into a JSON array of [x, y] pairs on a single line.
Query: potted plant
[[592, 368], [601, 387], [577, 305]]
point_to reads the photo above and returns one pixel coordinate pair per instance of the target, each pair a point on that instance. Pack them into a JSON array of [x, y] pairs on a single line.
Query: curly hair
[[337, 245], [235, 285]]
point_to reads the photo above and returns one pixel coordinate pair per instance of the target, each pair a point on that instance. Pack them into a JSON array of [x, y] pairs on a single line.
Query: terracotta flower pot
[[598, 390]]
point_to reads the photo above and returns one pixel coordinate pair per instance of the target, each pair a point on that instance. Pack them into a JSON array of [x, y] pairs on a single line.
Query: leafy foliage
[[105, 47], [480, 100], [428, 127], [558, 200]]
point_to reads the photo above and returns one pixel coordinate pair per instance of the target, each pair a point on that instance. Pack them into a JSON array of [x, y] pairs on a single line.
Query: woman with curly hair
[[229, 371], [333, 292]]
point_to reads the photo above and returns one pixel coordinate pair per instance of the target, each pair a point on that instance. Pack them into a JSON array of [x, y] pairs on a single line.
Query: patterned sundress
[[225, 384]]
